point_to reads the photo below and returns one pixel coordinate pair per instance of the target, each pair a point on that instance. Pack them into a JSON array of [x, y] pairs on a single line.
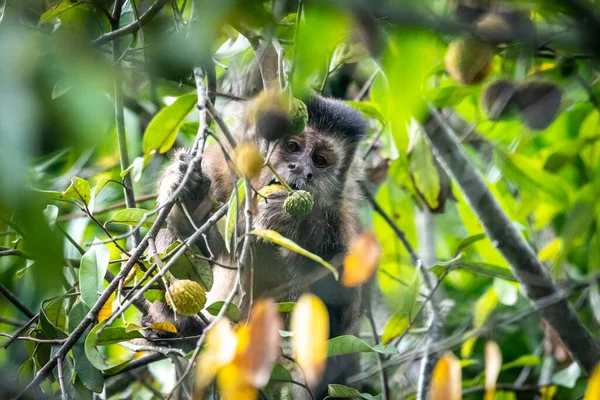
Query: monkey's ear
[[335, 117]]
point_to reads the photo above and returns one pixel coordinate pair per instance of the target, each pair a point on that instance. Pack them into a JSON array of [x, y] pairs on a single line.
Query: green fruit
[[468, 60], [498, 99], [539, 103], [188, 296], [299, 203], [299, 116], [268, 190]]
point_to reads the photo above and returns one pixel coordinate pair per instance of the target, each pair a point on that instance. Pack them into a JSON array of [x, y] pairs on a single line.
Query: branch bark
[[524, 263]]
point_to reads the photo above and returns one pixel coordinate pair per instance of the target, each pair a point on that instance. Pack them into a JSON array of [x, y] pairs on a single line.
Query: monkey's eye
[[292, 147], [319, 160]]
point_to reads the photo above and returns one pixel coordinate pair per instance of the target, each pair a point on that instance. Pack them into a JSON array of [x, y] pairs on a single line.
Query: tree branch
[[524, 263], [16, 302]]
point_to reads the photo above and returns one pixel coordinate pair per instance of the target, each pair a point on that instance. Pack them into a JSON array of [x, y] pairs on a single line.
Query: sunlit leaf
[[163, 326], [362, 259], [233, 385], [59, 9], [466, 242], [78, 191], [106, 310], [593, 387], [286, 306], [394, 327], [422, 168], [493, 363], [400, 284], [567, 377], [522, 361], [132, 217], [369, 109], [94, 264], [162, 129], [221, 344], [484, 307], [507, 292], [280, 240], [113, 335], [446, 383], [310, 324]]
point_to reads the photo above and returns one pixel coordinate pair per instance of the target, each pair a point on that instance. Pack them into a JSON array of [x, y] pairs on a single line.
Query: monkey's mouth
[[293, 185]]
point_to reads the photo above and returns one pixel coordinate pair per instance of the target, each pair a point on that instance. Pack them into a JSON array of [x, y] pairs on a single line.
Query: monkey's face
[[313, 162]]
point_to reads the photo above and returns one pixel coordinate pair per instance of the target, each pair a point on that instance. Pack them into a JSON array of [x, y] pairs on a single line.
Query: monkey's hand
[[194, 201]]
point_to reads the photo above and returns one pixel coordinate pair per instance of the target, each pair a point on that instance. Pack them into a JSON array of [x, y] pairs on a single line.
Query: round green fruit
[[468, 60], [299, 203], [299, 116], [188, 297]]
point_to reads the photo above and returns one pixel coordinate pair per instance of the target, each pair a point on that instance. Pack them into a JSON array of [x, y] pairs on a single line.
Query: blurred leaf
[[593, 388], [221, 344], [467, 241], [257, 358], [280, 374], [394, 327], [94, 264], [336, 391], [484, 307], [89, 375], [348, 53], [567, 377], [232, 212], [50, 213], [106, 310], [522, 361], [60, 88], [163, 326], [369, 109], [450, 96], [361, 260], [310, 324], [132, 217], [348, 344], [424, 172], [233, 386], [286, 306], [507, 292], [487, 270], [162, 129], [233, 313], [400, 284], [280, 240], [551, 251], [60, 8], [230, 48], [136, 168], [493, 363], [446, 383]]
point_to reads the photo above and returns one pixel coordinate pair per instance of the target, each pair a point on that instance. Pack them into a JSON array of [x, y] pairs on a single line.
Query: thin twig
[[16, 302]]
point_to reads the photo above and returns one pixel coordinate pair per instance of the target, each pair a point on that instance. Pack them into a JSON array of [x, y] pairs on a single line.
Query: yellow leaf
[[493, 363], [233, 385], [551, 251], [106, 310], [467, 348], [548, 392], [484, 307], [446, 383], [593, 389], [277, 238], [163, 326], [221, 344], [362, 259], [310, 324], [258, 351]]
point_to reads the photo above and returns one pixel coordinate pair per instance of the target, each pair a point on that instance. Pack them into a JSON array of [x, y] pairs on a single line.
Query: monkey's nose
[[292, 166], [309, 176]]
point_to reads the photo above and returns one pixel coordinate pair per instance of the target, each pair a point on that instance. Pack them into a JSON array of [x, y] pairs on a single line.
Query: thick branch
[[524, 263]]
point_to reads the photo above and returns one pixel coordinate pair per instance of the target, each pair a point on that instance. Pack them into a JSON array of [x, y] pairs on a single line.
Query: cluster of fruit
[[469, 60]]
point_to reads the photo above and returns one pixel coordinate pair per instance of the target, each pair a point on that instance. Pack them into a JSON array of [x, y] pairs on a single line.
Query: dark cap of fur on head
[[335, 117]]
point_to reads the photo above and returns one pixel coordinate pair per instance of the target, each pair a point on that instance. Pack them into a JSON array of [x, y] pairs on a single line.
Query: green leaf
[[53, 319], [340, 391], [50, 213], [162, 129], [467, 241], [280, 240], [94, 264], [424, 172], [132, 217], [60, 88], [507, 292], [233, 313], [78, 191], [94, 355], [232, 211], [89, 375], [495, 271], [567, 377], [400, 284], [188, 266], [484, 307], [112, 335], [450, 96], [60, 8], [348, 344], [136, 168], [280, 374], [286, 306], [368, 108], [522, 361], [394, 327]]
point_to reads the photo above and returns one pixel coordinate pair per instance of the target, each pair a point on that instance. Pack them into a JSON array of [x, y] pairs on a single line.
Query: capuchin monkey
[[323, 160]]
